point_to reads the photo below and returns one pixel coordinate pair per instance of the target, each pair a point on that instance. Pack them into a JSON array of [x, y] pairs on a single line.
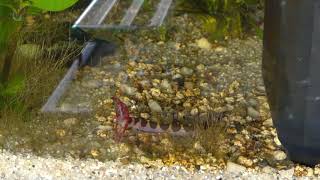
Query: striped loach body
[[153, 127], [125, 121]]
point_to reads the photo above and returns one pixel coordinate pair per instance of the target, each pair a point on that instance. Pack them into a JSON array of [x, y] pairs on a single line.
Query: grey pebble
[[154, 106], [70, 122], [253, 113], [186, 71], [91, 84], [252, 102]]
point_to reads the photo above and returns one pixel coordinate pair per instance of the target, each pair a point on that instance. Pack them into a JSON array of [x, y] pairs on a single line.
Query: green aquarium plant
[[227, 18], [12, 16]]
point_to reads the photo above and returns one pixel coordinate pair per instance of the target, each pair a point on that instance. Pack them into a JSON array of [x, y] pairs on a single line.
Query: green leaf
[[7, 27], [34, 11], [53, 5], [14, 86], [5, 12]]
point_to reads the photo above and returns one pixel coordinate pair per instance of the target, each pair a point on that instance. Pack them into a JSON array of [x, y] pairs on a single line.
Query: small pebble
[[200, 67], [268, 170], [253, 102], [154, 106], [277, 141], [203, 43], [128, 89], [194, 111], [188, 85], [310, 172], [279, 155], [288, 174], [70, 122], [253, 113], [235, 168], [105, 128], [245, 161], [145, 115], [166, 85], [197, 146], [186, 71], [268, 123], [92, 84], [261, 89]]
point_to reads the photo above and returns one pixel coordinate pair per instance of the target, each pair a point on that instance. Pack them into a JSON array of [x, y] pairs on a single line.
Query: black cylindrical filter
[[291, 72]]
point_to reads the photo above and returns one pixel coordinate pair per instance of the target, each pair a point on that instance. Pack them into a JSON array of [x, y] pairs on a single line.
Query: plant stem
[[8, 57]]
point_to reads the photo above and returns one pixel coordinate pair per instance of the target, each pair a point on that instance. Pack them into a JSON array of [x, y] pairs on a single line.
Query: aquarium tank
[[205, 86]]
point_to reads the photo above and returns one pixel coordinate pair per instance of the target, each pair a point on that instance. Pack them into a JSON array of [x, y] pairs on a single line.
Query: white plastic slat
[[94, 16], [105, 9], [52, 102], [131, 13], [161, 13], [85, 13], [95, 13]]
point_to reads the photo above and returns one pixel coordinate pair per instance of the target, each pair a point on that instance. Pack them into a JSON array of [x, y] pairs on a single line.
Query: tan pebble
[[108, 101], [189, 93], [199, 147], [232, 131], [277, 141], [309, 172], [155, 92], [245, 161], [110, 118], [317, 169], [194, 111], [145, 115], [234, 168], [124, 148], [179, 95], [188, 85], [268, 170], [229, 100], [268, 123], [279, 155], [155, 138], [220, 49], [101, 133], [155, 82], [139, 96], [47, 16], [101, 118], [165, 141], [203, 108], [133, 138], [271, 147], [200, 67], [70, 121], [203, 43], [60, 132], [177, 45], [187, 105], [299, 171], [95, 153], [144, 160], [199, 161], [154, 106], [237, 143], [132, 63]]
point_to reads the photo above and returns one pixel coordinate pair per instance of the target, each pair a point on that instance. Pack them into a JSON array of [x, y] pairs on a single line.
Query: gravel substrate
[[26, 166]]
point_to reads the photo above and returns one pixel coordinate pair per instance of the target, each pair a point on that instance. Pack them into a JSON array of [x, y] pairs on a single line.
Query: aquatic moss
[[227, 18]]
